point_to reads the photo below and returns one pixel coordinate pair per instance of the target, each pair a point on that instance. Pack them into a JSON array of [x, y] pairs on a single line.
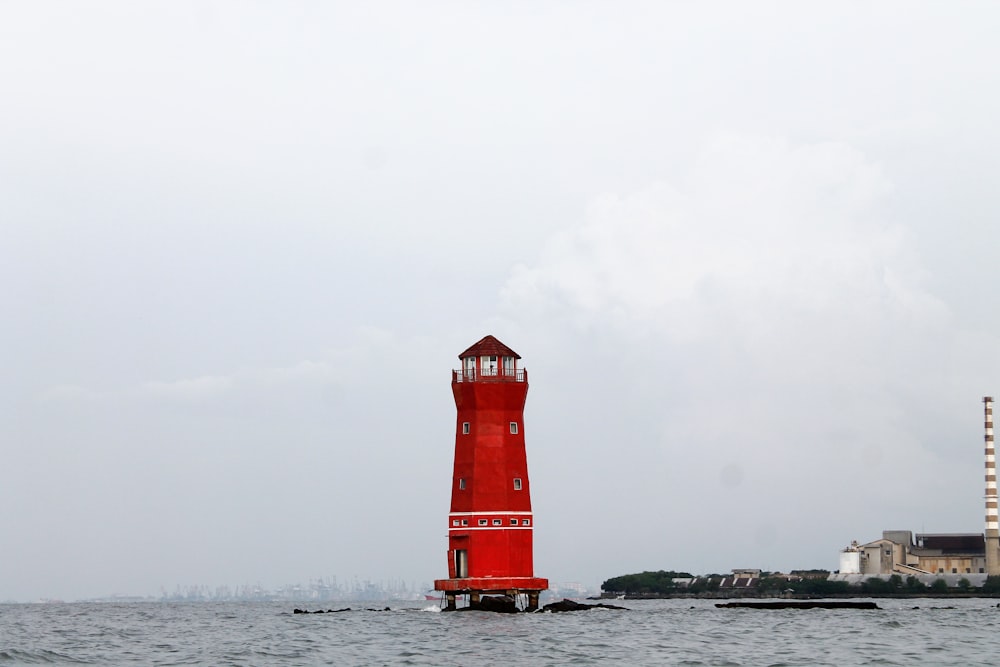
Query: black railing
[[490, 375]]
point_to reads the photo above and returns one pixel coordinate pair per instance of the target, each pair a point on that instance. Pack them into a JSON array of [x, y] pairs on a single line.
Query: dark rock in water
[[570, 605], [320, 611], [502, 604], [799, 604]]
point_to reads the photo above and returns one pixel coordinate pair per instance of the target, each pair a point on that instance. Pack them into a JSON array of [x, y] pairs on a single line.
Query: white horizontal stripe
[[517, 512], [463, 528]]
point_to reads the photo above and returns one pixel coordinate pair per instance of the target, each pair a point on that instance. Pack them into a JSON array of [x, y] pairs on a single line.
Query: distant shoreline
[[794, 596]]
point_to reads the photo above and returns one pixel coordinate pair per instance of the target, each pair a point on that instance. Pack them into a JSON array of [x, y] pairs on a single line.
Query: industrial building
[[929, 556], [931, 553]]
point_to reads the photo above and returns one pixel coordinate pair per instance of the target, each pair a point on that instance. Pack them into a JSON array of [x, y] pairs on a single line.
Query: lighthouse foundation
[[476, 587]]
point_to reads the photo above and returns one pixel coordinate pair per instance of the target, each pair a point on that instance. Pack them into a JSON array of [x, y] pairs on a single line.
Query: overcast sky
[[747, 252]]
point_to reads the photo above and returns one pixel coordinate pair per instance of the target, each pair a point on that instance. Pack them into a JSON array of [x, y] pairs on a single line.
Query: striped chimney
[[991, 468], [992, 525]]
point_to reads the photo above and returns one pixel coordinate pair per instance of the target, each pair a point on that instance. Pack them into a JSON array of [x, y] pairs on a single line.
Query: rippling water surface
[[655, 632]]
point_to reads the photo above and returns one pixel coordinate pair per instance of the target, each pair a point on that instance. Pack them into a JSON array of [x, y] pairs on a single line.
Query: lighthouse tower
[[490, 524]]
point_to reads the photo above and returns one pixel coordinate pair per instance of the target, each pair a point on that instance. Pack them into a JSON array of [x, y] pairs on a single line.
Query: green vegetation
[[876, 586], [817, 586], [707, 584], [645, 583], [992, 585]]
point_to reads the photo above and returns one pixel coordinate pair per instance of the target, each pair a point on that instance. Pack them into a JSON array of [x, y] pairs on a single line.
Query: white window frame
[[517, 484], [513, 428], [483, 522], [488, 364], [466, 427]]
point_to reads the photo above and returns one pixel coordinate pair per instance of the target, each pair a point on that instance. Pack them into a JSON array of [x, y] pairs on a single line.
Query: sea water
[[654, 632]]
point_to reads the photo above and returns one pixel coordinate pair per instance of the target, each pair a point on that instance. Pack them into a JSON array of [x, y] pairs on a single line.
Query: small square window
[[454, 522], [954, 570], [497, 522], [513, 522], [482, 522], [465, 522], [525, 522], [940, 570], [465, 428], [517, 483], [513, 427], [981, 571], [461, 483]]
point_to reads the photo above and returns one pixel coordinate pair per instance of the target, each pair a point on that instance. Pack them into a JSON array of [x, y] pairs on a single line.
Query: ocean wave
[[37, 657]]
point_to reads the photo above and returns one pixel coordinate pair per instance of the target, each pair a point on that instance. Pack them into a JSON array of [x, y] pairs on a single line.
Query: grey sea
[[655, 632]]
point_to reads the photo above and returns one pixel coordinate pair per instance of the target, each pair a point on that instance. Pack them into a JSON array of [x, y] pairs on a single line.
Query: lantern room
[[489, 359]]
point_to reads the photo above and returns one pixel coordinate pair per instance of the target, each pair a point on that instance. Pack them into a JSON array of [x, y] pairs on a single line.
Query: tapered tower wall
[[490, 481]]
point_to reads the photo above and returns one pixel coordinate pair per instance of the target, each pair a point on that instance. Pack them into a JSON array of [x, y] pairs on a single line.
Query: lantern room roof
[[489, 345]]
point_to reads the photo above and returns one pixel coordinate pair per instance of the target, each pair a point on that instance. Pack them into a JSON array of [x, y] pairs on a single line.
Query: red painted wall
[[489, 458]]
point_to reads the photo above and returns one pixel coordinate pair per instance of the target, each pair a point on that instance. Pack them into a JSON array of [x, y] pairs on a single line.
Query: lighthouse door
[[461, 563]]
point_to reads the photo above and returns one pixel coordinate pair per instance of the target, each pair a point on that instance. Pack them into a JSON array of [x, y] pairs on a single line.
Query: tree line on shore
[[812, 582]]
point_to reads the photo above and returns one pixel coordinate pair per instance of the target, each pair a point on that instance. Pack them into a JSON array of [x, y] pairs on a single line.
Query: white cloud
[[771, 318], [373, 349], [195, 389], [70, 392], [757, 228]]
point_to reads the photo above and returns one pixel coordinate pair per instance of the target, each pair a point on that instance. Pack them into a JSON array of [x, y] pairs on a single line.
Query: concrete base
[[477, 598], [476, 587]]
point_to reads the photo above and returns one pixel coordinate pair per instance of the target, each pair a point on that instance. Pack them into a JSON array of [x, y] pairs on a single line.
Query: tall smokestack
[[992, 525]]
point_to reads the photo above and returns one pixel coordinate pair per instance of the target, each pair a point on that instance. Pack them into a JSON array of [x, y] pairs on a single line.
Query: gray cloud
[[746, 252]]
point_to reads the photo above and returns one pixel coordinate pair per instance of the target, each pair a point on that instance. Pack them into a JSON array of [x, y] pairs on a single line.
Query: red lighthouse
[[490, 524]]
